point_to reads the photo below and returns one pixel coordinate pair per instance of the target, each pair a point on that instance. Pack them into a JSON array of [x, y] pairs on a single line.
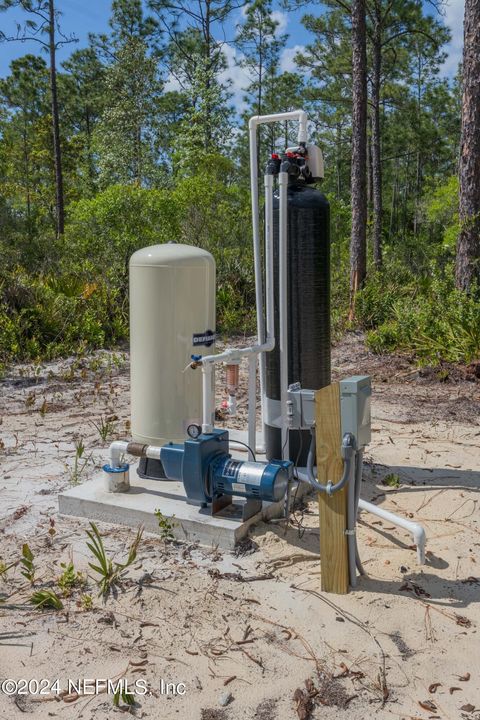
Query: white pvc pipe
[[120, 447], [208, 402], [117, 449], [266, 336], [299, 115], [269, 270], [283, 307], [414, 528], [252, 405], [235, 354], [257, 253], [236, 445], [417, 531]]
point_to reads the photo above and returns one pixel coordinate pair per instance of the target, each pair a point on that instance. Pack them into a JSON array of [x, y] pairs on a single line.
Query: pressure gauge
[[193, 431]]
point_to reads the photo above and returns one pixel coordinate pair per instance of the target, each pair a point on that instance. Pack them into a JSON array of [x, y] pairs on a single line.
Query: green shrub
[[431, 320], [103, 232], [80, 301], [50, 316], [375, 303]]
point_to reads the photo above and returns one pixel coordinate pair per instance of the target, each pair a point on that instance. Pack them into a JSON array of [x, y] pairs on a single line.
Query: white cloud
[[171, 84], [281, 19], [287, 60], [453, 19], [239, 77]]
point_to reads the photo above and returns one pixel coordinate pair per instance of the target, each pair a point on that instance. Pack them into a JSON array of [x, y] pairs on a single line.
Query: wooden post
[[332, 508]]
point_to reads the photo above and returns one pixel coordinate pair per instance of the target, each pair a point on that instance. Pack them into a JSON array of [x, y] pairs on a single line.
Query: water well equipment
[[172, 317], [172, 326], [308, 293]]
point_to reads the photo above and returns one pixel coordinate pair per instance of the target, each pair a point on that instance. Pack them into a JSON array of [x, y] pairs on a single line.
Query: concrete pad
[[137, 507], [91, 500]]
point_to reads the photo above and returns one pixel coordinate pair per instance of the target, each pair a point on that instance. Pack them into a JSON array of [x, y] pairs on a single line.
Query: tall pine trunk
[[358, 241], [468, 246], [376, 138], [57, 152]]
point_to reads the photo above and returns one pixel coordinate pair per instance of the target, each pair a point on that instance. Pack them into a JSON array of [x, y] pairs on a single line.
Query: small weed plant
[[165, 526], [105, 427], [110, 572], [70, 579], [86, 602], [80, 462], [27, 564], [125, 697], [4, 568], [392, 480]]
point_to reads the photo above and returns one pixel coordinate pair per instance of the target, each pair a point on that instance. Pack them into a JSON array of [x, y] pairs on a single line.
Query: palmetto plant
[[110, 572]]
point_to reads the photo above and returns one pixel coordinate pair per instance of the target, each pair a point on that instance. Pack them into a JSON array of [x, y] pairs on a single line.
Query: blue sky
[[84, 16]]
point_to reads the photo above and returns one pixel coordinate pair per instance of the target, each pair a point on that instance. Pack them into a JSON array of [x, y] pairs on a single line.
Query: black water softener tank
[[308, 307]]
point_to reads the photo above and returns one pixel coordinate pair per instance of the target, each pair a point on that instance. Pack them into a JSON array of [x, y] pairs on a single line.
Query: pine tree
[[358, 241], [45, 21], [125, 136], [81, 90], [26, 142], [260, 43], [195, 57], [468, 246]]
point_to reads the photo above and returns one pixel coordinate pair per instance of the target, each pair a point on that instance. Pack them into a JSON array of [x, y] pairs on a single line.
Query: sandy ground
[[250, 628]]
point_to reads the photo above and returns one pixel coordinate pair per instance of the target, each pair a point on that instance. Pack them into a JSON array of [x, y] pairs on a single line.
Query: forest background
[[140, 136]]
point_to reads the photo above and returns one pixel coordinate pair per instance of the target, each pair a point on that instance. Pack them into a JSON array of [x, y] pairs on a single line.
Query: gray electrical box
[[355, 394], [300, 407]]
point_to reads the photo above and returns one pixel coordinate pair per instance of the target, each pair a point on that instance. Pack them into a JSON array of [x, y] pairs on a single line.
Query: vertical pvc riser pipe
[[269, 270], [208, 401], [351, 529], [257, 256], [283, 303], [252, 405]]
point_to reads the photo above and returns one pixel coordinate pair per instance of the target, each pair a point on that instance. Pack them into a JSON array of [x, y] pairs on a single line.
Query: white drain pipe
[[417, 531]]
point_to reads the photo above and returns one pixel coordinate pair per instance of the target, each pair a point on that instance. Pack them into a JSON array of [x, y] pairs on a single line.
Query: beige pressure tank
[[172, 317]]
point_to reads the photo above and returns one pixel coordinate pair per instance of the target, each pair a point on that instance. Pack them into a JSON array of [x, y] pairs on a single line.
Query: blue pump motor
[[208, 471], [255, 480]]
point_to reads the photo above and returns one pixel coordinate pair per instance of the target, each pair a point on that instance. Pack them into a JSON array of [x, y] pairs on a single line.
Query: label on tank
[[206, 338]]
